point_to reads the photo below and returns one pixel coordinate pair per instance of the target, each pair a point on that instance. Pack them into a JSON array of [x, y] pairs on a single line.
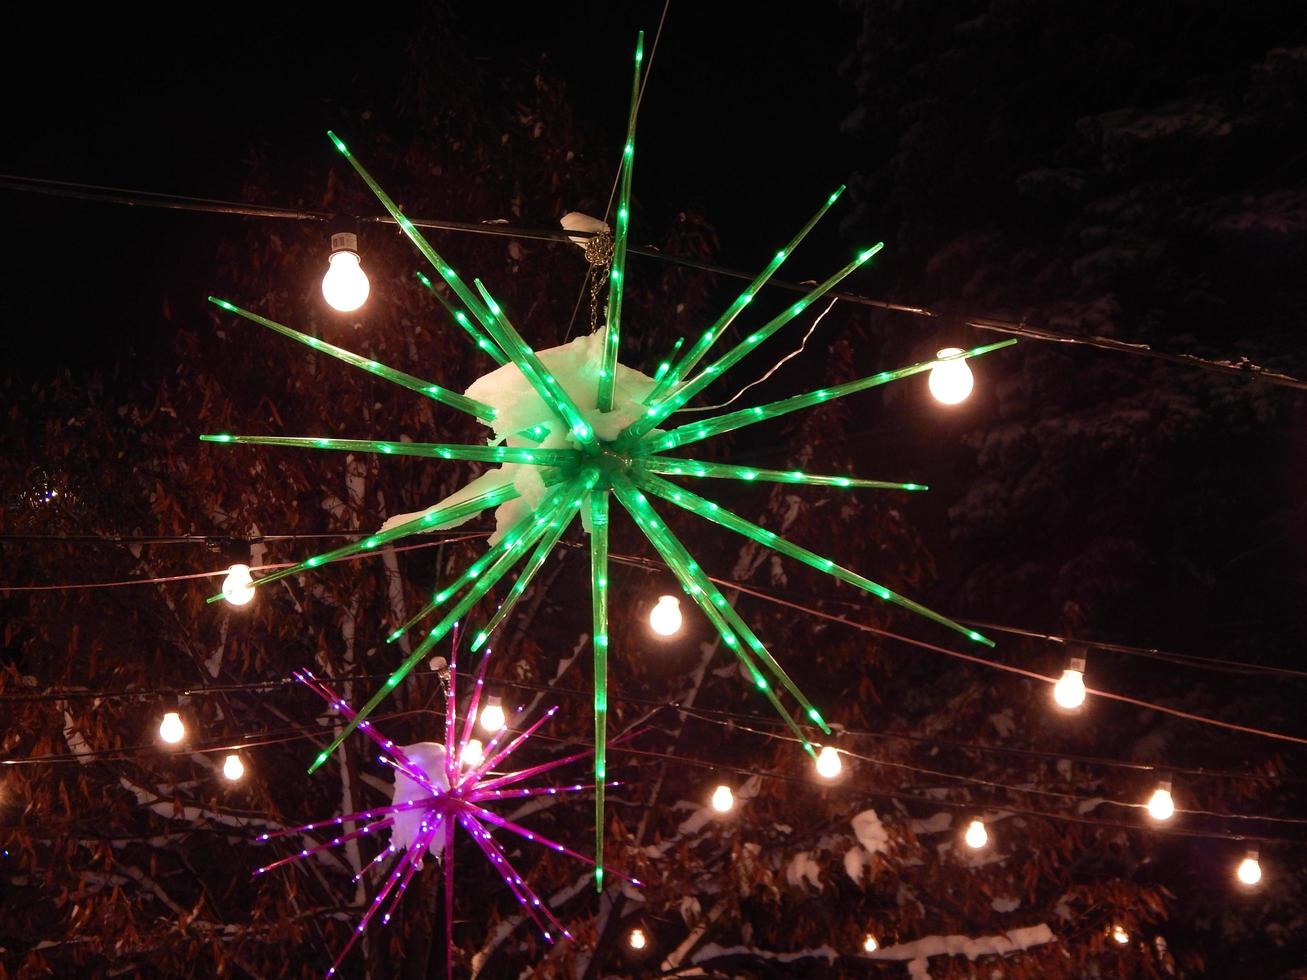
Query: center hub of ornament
[[610, 462]]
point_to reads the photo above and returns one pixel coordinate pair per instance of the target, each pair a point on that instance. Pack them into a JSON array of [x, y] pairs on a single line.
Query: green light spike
[[546, 545], [599, 603], [720, 515], [748, 416], [480, 340], [439, 450], [498, 570], [702, 592], [443, 395], [446, 271], [427, 522], [539, 376], [666, 364], [617, 269], [676, 466], [702, 581], [713, 333], [678, 397], [545, 511]]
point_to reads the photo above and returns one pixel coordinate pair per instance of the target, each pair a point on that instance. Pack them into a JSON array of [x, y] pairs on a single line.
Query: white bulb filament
[[345, 287], [238, 586], [637, 939], [492, 717], [665, 619], [232, 768], [828, 762], [951, 382], [1249, 871], [976, 836], [1160, 805], [723, 800], [1069, 691], [473, 753], [171, 729]]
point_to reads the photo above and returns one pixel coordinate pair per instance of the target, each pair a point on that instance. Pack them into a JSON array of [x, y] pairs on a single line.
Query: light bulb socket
[[344, 241], [1254, 853], [1076, 663], [1164, 783]]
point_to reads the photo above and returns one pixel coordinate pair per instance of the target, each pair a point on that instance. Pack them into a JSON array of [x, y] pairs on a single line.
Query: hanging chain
[[599, 253]]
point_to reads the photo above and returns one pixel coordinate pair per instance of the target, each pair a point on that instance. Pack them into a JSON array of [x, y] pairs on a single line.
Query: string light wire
[[156, 580], [286, 735], [1187, 660], [647, 563], [1235, 366], [730, 718]]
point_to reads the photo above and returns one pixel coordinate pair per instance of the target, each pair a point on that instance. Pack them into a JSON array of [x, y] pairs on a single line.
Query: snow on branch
[[918, 952]]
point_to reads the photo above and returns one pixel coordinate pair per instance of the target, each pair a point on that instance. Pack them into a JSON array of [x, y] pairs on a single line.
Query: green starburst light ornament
[[573, 428]]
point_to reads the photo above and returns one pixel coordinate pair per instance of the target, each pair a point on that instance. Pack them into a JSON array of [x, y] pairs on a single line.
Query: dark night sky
[[1161, 507], [734, 104]]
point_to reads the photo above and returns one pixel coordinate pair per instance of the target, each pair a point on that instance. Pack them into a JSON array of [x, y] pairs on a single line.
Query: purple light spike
[[449, 884], [335, 842], [410, 859], [517, 794], [384, 853], [535, 838], [491, 761], [414, 824], [307, 678], [529, 899], [451, 709], [408, 874], [473, 703]]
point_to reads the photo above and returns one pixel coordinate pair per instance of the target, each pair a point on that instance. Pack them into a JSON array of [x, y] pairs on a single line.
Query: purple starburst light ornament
[[439, 786]]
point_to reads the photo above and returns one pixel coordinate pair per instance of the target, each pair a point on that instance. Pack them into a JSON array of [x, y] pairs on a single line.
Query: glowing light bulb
[[665, 619], [473, 753], [1249, 871], [492, 716], [636, 939], [232, 767], [1069, 691], [976, 836], [238, 586], [171, 729], [345, 287], [1160, 804], [1119, 935], [951, 382], [828, 762], [723, 800], [869, 944]]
